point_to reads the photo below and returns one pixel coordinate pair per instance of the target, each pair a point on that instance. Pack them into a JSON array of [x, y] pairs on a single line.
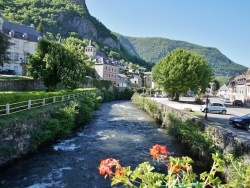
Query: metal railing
[[8, 109]]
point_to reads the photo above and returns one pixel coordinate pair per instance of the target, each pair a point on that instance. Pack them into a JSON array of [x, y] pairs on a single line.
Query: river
[[118, 130]]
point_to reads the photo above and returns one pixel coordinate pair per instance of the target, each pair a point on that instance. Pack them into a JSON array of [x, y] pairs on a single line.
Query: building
[[106, 69], [239, 88], [223, 91], [90, 50], [24, 39], [122, 81], [135, 81], [147, 80]]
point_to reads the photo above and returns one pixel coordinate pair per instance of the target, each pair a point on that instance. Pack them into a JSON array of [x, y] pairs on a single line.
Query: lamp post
[[207, 90], [144, 80]]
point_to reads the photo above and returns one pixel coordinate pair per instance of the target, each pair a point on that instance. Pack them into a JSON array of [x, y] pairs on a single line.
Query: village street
[[188, 102]]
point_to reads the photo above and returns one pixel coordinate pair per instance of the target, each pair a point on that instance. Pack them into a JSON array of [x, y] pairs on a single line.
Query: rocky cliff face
[[83, 26]]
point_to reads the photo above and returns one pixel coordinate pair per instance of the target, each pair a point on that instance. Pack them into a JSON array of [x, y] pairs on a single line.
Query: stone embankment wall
[[224, 139], [30, 85], [17, 136], [21, 85]]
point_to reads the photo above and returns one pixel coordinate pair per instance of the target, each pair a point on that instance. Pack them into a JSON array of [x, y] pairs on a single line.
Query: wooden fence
[[27, 105]]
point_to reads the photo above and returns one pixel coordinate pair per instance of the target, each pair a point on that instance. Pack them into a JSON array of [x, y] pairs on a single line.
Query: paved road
[[187, 102]]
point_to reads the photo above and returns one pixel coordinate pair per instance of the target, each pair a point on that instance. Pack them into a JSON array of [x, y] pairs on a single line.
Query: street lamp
[[207, 90]]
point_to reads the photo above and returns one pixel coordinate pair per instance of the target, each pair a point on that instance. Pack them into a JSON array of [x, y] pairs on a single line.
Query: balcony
[[248, 82]]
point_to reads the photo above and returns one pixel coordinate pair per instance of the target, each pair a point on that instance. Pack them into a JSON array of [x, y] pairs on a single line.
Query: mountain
[[154, 49], [59, 18], [65, 18]]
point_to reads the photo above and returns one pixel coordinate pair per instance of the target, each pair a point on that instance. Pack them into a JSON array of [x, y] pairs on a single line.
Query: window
[[16, 56], [11, 56], [25, 46], [16, 44]]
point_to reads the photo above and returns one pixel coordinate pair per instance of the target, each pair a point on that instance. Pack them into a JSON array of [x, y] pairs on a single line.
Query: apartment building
[[24, 39], [239, 87]]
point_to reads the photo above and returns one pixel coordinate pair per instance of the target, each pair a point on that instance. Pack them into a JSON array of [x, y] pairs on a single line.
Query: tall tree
[[55, 64], [181, 71], [4, 46]]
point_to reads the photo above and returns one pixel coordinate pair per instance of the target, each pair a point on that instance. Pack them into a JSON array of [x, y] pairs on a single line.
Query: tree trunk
[[51, 88], [177, 97]]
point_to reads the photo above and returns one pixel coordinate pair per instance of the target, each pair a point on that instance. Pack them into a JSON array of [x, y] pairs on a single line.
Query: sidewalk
[[181, 105]]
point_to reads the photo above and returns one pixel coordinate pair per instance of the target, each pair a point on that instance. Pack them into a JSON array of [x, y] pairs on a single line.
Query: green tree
[[40, 27], [181, 71], [4, 46], [55, 64]]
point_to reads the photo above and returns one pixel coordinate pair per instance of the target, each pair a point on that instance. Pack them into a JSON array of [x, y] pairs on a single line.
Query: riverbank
[[201, 137], [22, 135]]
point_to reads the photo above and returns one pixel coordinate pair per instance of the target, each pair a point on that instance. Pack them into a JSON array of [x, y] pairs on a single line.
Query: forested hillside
[[71, 18], [67, 18], [153, 49]]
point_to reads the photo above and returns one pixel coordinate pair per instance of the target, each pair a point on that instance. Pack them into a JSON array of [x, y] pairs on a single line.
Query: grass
[[24, 114], [10, 78]]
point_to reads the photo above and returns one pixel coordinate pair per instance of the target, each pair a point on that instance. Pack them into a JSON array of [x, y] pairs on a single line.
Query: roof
[[122, 75], [20, 30], [223, 88], [106, 61]]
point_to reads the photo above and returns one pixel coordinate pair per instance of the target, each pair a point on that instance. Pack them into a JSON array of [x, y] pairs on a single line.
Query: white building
[[24, 39]]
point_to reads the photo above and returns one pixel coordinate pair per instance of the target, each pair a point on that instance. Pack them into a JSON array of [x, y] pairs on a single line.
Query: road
[[188, 102]]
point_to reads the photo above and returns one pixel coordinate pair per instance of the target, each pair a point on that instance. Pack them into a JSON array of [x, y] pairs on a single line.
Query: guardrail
[[8, 109]]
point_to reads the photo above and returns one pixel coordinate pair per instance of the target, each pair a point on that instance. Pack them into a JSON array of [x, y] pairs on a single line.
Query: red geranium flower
[[159, 151]]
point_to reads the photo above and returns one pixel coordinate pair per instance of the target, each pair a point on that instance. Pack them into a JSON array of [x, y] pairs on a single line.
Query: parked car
[[8, 72], [237, 103], [226, 100], [214, 107], [241, 121]]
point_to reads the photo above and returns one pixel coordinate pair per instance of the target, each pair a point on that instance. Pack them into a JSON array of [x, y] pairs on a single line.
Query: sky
[[222, 24]]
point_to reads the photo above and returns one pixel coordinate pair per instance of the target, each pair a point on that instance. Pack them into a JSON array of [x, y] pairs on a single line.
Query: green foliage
[[191, 135], [179, 173], [181, 71], [14, 97], [102, 84], [54, 64], [13, 78], [66, 117], [146, 104], [45, 14], [4, 46], [239, 172], [222, 80], [154, 49]]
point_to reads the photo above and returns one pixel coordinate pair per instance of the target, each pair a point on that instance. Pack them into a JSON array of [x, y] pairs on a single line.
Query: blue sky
[[223, 24]]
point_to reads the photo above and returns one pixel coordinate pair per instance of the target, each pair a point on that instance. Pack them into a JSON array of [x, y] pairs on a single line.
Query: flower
[[106, 166], [159, 151], [174, 168]]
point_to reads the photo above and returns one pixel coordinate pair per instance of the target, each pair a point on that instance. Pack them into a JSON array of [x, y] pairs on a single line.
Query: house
[[122, 81], [223, 91], [239, 87], [24, 39], [135, 81], [247, 89], [106, 69]]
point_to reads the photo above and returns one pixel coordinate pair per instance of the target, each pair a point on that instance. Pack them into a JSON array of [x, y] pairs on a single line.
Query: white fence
[[27, 105]]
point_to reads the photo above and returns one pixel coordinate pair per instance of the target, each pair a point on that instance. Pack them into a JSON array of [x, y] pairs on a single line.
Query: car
[[8, 72], [237, 103], [241, 121], [226, 100], [214, 107]]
